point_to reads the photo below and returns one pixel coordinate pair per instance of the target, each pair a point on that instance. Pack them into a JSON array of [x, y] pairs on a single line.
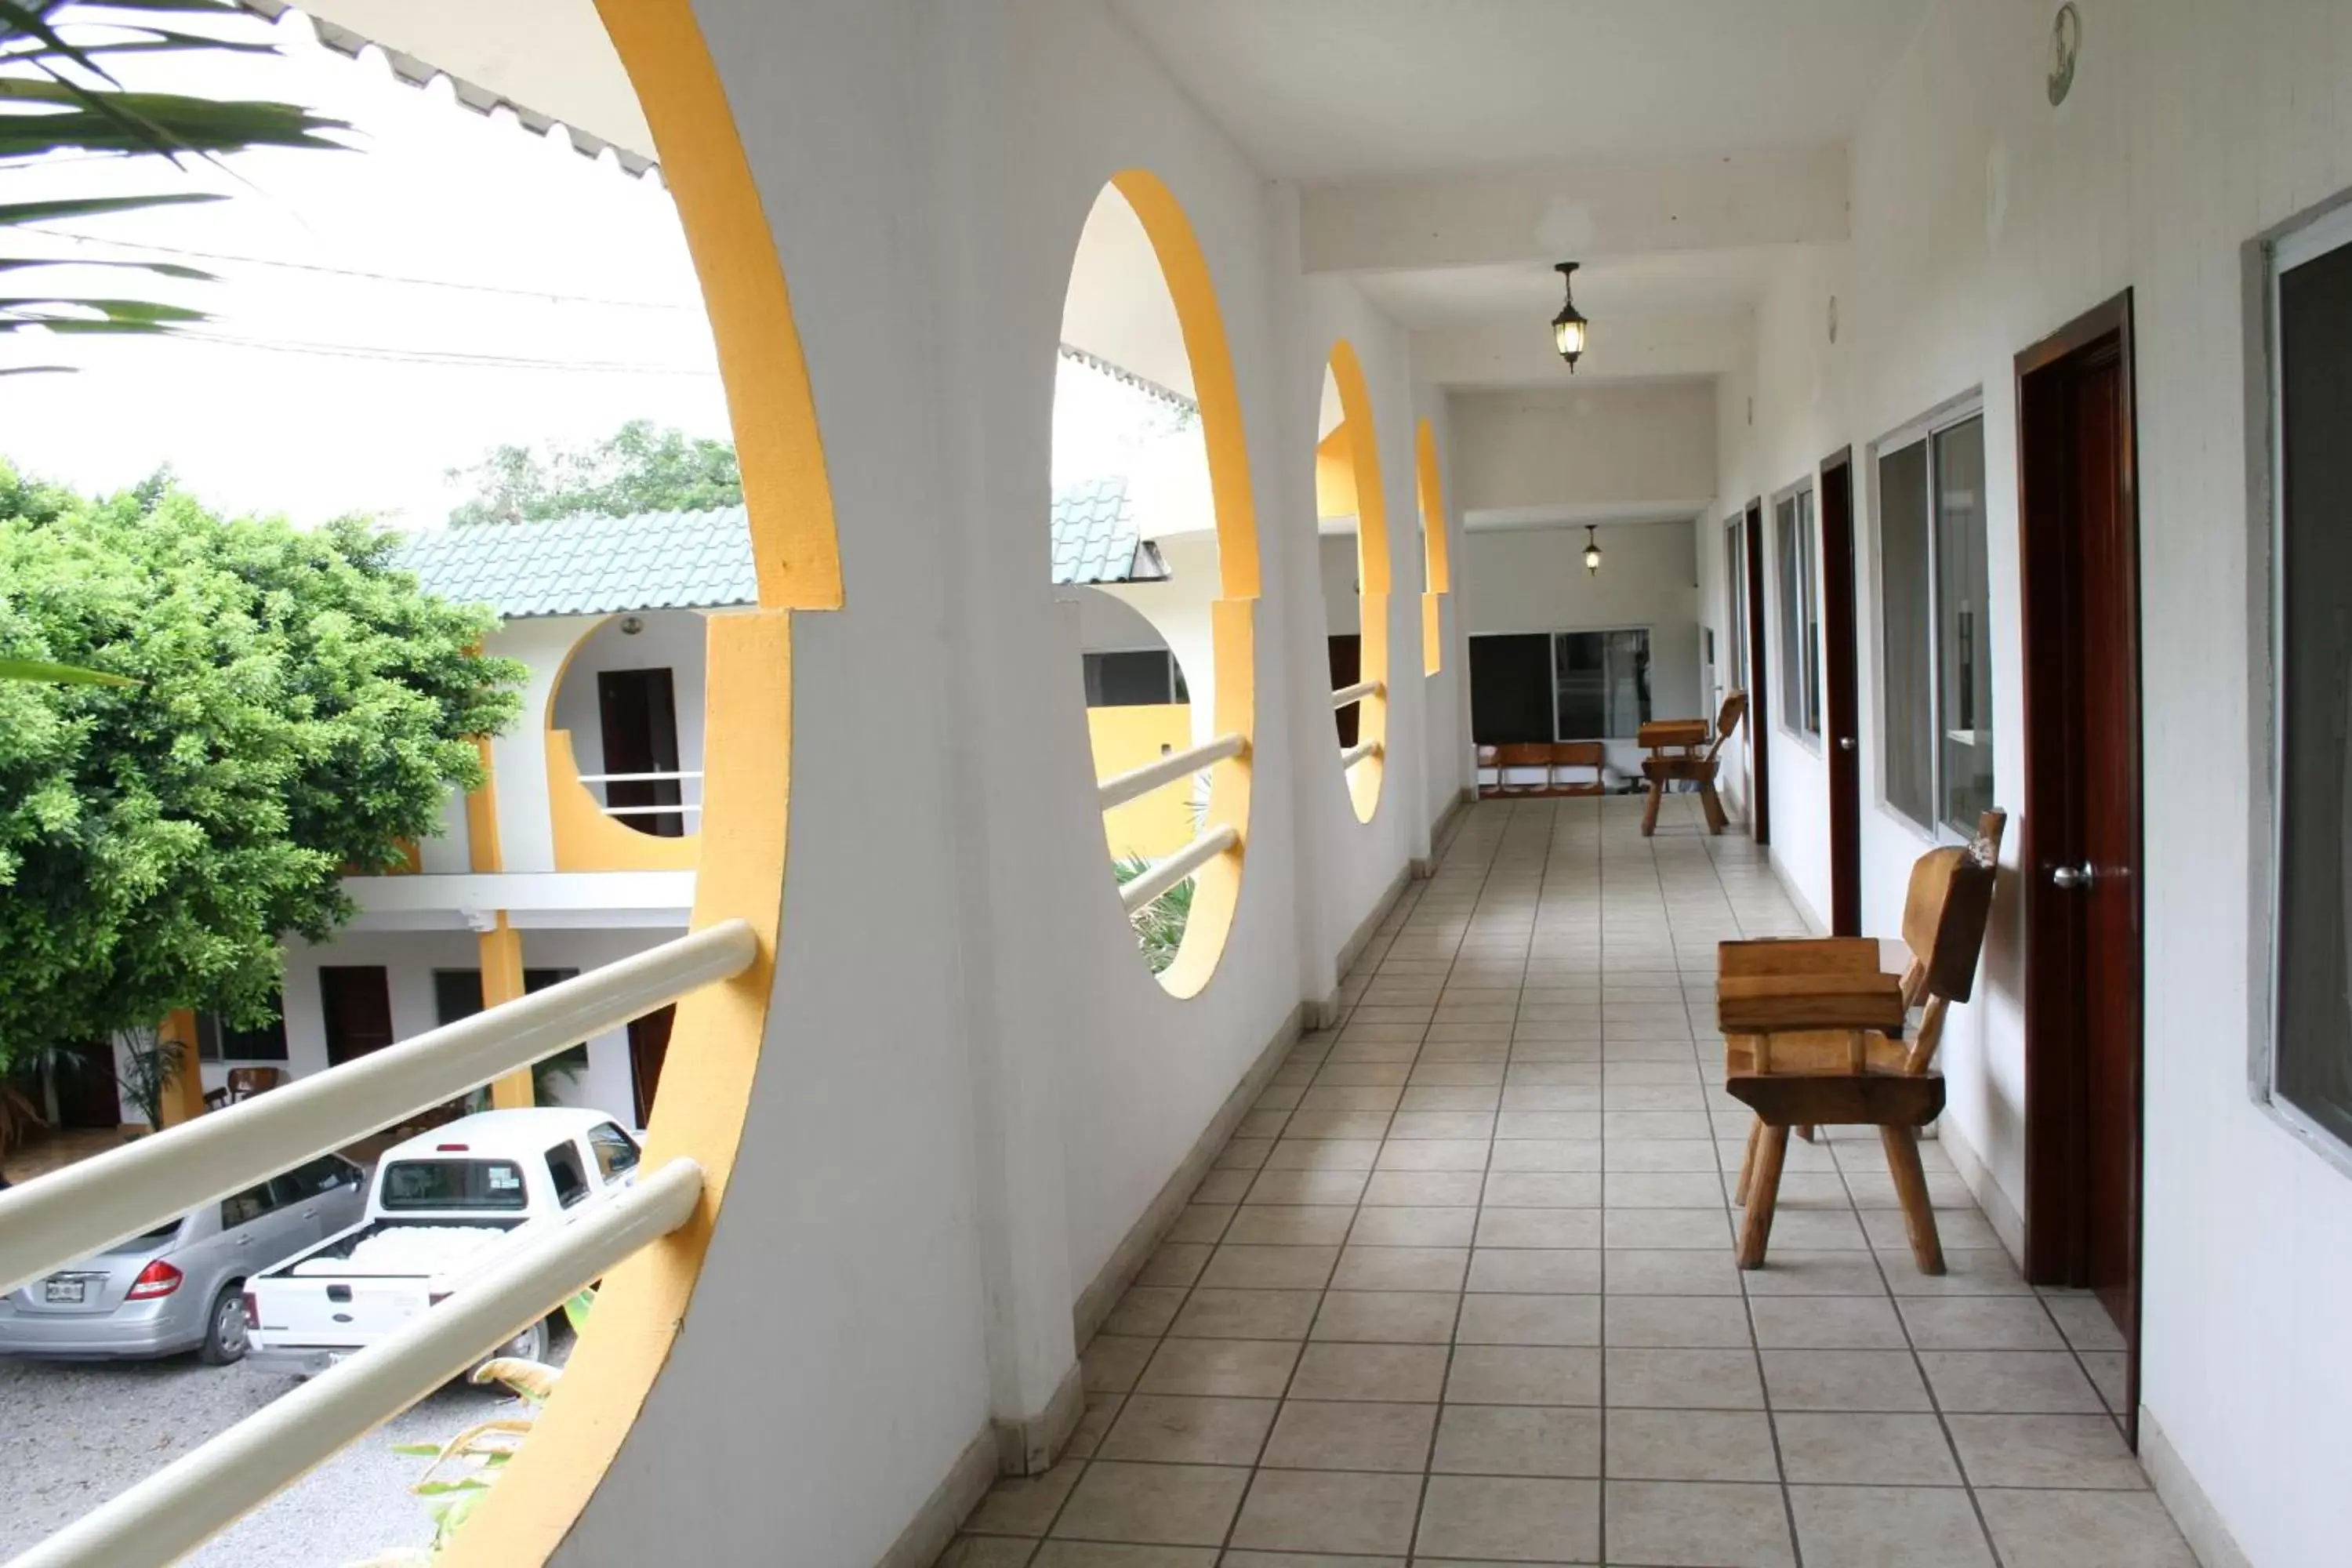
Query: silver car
[[180, 1285]]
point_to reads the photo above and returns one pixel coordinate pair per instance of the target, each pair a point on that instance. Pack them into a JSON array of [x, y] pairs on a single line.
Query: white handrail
[[1357, 753], [179, 1507], [1163, 875], [647, 810], [1120, 788], [73, 1212], [1355, 693], [640, 778]]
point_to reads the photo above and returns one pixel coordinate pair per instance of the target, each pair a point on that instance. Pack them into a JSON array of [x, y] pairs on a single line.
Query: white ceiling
[[1620, 286], [1324, 89]]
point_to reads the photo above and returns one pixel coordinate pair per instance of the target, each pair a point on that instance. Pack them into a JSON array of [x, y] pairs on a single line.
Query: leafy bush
[[1160, 925]]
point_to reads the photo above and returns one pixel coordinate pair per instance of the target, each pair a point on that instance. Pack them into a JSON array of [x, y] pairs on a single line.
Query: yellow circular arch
[[1216, 887], [1361, 454], [1436, 554], [705, 1092]]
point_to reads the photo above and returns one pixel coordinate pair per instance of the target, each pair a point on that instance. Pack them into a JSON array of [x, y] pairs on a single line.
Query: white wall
[[1338, 579], [1536, 448], [1983, 219], [1178, 611]]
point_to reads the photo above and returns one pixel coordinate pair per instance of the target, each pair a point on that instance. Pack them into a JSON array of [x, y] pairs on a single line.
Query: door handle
[[310, 1214], [2073, 877], [1845, 742], [244, 1241]]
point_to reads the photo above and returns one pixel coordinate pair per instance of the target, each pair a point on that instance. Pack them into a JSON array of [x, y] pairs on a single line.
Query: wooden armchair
[[1674, 747], [1813, 1034], [244, 1083]]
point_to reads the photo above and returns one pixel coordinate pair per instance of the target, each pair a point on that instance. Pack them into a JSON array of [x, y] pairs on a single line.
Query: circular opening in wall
[[1154, 563], [1352, 550], [627, 712]]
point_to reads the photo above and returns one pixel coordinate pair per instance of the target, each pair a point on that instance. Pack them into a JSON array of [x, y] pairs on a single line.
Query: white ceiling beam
[[1647, 345], [1575, 212]]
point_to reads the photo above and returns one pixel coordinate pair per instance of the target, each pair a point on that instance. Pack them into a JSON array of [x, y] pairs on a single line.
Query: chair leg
[[1712, 805], [1911, 1189], [1763, 1192], [1748, 1161], [1650, 811]]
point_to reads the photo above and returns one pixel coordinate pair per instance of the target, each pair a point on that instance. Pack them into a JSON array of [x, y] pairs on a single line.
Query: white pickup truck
[[442, 1207]]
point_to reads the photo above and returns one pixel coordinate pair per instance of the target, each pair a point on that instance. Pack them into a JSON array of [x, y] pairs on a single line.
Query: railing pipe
[[188, 1501], [53, 1220], [1163, 875], [1120, 788], [640, 778], [1356, 754], [1355, 693], [647, 810]]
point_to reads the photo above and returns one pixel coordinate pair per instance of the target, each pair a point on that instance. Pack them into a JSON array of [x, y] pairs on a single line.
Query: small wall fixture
[[1591, 551], [1570, 329], [631, 626]]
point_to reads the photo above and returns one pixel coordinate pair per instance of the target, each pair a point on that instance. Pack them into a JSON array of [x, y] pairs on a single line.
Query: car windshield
[[453, 1185], [147, 1238]]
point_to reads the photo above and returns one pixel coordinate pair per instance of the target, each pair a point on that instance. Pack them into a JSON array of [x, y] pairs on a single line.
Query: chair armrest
[[1798, 956], [1775, 1004]]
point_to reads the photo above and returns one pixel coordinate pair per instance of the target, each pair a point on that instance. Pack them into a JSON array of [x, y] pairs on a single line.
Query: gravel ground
[[72, 1435]]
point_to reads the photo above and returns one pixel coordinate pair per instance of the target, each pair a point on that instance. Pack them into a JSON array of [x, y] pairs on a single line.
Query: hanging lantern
[[1591, 551], [1570, 329]]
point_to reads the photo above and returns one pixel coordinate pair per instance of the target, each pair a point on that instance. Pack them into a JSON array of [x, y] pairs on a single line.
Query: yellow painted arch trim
[[1216, 887], [706, 1082], [583, 837], [1364, 450], [1436, 553]]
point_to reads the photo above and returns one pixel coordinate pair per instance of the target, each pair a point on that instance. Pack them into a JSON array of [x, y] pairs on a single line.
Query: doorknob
[[2072, 877], [1845, 742]]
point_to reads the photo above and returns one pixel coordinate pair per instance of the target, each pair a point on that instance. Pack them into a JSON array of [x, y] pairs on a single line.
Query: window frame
[[1809, 572], [1735, 591], [1922, 430], [1551, 658], [2305, 237]]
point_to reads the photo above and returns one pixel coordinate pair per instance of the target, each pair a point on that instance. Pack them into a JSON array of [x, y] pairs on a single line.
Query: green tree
[[640, 468], [302, 708], [57, 94]]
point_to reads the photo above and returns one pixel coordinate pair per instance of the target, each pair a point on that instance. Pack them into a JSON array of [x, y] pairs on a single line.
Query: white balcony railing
[[1161, 875], [69, 1213], [1350, 755], [1347, 696], [677, 777]]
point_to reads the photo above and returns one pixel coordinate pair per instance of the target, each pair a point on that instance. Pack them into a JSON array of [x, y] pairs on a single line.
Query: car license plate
[[64, 1291]]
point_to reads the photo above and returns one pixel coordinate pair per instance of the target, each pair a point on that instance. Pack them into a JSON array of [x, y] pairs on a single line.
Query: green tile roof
[[702, 560]]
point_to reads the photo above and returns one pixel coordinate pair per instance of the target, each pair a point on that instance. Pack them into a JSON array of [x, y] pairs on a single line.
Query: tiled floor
[[1461, 1290]]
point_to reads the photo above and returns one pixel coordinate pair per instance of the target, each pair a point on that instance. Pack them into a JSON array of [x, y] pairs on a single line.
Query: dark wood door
[[357, 1003], [1840, 654], [2081, 858], [87, 1095], [1346, 668], [1759, 751], [649, 1048], [638, 710]]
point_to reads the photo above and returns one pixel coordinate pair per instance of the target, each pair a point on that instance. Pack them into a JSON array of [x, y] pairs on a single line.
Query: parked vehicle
[[446, 1206], [180, 1285]]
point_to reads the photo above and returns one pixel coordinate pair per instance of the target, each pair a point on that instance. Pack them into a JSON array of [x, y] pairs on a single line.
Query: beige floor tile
[[1110, 1362], [1683, 1379], [1392, 1073], [2009, 1383], [1025, 1505], [2084, 1453], [1178, 1505], [1339, 1123], [1543, 1189], [1869, 1527], [1177, 1263], [1219, 1314], [1856, 1448], [1352, 1435], [1401, 1269], [1500, 1319], [1514, 1519], [1980, 1323], [1792, 1271], [1308, 1510], [1524, 1374], [1966, 1273], [1243, 1153], [2083, 1320], [1694, 1271], [1270, 1267], [1552, 1154], [1680, 1322], [1434, 1155], [1691, 1446], [1222, 1187], [1101, 1410], [1389, 1317], [2109, 1375], [1535, 1271], [1240, 1369], [1518, 1441], [1412, 1189], [1171, 1429], [1352, 1097], [1306, 1188], [1818, 1229], [1414, 1227], [990, 1552], [1449, 1098], [2083, 1530], [1843, 1380], [1145, 1311], [1698, 1524], [1513, 1125], [1662, 1229], [1663, 1156], [1698, 1189], [1539, 1227], [1289, 1225], [1337, 1370]]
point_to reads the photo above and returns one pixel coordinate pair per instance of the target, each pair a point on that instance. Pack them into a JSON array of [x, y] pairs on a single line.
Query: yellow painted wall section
[[588, 840], [1335, 476], [1160, 823], [184, 1096], [501, 959], [482, 850], [1436, 554], [1372, 570]]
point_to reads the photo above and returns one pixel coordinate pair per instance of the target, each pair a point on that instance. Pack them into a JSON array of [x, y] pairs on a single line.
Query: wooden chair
[[1673, 745], [1588, 755], [244, 1083], [1520, 758], [1488, 759], [1813, 1034]]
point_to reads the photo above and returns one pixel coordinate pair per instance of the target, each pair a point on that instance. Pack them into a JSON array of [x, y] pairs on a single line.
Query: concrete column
[[184, 1096], [502, 981]]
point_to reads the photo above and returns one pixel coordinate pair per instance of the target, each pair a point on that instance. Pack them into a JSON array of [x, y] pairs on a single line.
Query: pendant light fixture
[[1570, 329], [1591, 551]]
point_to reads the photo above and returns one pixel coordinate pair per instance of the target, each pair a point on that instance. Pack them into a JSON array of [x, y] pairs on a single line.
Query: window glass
[[1799, 615], [1808, 577], [244, 1208], [1132, 678], [616, 1152], [1906, 678], [1602, 682], [489, 1185], [1735, 587], [218, 1042], [1965, 684], [2312, 1037], [563, 1168], [310, 1181]]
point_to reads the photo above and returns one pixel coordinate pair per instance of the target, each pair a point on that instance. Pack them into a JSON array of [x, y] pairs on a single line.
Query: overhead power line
[[452, 357]]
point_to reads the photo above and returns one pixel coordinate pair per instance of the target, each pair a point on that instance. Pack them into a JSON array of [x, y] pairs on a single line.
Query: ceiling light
[[1591, 551], [1570, 329]]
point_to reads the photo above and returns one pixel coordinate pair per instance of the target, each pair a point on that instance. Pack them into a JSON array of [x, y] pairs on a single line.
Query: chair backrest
[[1522, 754], [1588, 754], [1945, 913], [1735, 708], [243, 1081]]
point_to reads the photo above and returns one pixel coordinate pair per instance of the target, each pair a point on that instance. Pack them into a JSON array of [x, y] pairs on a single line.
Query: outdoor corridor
[[1461, 1289]]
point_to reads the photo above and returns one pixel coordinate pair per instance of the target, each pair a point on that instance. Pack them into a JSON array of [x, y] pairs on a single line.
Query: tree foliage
[[640, 468], [302, 708], [58, 94]]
